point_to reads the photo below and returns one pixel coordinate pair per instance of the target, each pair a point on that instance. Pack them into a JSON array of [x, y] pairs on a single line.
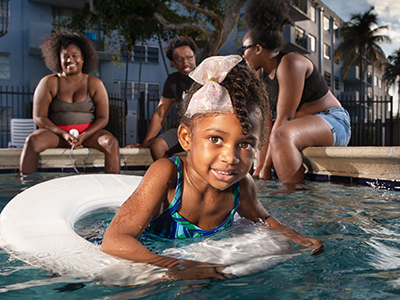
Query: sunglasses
[[244, 48]]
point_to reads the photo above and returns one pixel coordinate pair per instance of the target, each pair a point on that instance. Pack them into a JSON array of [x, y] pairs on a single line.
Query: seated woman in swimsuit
[[70, 99], [222, 123], [307, 113]]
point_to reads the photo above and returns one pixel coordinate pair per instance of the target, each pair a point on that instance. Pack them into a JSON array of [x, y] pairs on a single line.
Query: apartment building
[[315, 33]]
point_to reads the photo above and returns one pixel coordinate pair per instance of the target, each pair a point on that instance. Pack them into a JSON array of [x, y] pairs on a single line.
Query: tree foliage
[[209, 22], [361, 38], [392, 72]]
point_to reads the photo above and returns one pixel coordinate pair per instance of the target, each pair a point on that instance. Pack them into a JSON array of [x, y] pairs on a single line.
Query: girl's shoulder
[[163, 172], [247, 187]]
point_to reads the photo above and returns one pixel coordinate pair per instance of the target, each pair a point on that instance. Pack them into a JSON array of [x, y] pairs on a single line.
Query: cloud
[[387, 10]]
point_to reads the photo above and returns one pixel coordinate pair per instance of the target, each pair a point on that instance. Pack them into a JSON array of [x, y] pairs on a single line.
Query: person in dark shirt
[[181, 52]]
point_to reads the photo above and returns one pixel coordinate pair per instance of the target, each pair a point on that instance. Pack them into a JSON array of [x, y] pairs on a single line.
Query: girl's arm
[[145, 203], [252, 209]]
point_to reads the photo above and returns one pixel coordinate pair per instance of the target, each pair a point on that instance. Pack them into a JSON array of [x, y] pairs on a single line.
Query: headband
[[212, 97]]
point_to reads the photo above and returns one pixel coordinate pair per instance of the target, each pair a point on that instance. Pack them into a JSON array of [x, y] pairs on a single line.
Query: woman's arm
[[99, 95], [264, 159], [291, 75], [44, 94], [156, 122], [252, 209]]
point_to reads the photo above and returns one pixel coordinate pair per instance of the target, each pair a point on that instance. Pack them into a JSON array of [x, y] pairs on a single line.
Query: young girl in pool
[[222, 123]]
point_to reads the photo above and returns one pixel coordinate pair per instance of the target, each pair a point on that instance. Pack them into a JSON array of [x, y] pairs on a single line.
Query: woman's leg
[[105, 142], [37, 142], [288, 140]]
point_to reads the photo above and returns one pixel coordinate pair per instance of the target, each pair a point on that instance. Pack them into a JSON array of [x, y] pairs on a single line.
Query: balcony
[[353, 75], [298, 10], [295, 42]]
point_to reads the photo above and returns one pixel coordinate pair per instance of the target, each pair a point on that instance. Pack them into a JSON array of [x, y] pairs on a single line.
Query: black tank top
[[315, 86], [65, 113]]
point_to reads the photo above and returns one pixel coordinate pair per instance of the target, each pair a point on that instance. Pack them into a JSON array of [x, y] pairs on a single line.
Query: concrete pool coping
[[344, 164]]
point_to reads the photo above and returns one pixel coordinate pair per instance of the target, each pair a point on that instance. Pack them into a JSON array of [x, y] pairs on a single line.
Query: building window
[[379, 83], [148, 54], [5, 66], [152, 55], [369, 77], [300, 37], [327, 51], [375, 81], [337, 83], [151, 90], [336, 29], [327, 77], [326, 23], [312, 13], [313, 43]]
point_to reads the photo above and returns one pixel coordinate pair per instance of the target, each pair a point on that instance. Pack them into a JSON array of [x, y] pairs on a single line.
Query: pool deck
[[339, 164]]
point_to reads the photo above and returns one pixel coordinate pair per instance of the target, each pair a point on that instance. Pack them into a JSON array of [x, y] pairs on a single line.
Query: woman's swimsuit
[[172, 225], [315, 86], [79, 115]]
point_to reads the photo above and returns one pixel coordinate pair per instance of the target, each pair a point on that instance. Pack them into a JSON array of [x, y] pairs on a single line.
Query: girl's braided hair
[[247, 92]]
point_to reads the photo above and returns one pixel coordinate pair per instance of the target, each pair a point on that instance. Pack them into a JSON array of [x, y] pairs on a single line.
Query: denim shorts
[[338, 120]]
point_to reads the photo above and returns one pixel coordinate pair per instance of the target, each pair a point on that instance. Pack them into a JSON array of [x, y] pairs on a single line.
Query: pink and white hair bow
[[212, 97]]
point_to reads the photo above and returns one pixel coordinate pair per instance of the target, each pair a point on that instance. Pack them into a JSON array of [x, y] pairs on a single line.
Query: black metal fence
[[147, 108], [17, 103], [372, 122]]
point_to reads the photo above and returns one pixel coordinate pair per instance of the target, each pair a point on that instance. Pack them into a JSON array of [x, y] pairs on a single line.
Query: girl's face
[[218, 153], [71, 59]]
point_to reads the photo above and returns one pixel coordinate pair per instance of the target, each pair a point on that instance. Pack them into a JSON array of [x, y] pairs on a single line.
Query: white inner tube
[[37, 225]]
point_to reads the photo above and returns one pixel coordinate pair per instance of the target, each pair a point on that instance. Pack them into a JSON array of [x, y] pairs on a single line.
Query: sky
[[388, 12]]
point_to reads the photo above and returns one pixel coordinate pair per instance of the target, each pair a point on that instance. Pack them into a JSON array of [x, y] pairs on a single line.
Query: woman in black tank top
[[70, 99], [297, 92]]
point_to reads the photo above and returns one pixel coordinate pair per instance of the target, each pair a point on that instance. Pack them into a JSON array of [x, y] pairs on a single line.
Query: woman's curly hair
[[177, 42], [266, 21], [52, 46], [248, 94]]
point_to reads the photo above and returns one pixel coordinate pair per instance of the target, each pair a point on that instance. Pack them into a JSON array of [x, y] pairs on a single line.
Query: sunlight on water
[[358, 225]]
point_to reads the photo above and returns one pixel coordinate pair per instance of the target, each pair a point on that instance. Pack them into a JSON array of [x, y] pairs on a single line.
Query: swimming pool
[[359, 227]]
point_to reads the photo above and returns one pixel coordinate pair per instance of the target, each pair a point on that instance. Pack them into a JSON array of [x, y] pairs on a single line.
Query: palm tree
[[392, 73], [361, 37]]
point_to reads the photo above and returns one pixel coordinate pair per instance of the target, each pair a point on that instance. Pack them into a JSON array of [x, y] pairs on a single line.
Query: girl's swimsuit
[[172, 225], [79, 115]]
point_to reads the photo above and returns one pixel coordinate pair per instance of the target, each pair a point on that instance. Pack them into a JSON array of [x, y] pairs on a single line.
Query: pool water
[[358, 225]]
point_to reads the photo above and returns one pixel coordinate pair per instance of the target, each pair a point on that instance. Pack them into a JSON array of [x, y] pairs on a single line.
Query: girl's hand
[[312, 244], [200, 271]]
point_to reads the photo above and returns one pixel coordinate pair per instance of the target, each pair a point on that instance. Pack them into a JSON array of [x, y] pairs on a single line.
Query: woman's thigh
[[43, 139], [306, 131]]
